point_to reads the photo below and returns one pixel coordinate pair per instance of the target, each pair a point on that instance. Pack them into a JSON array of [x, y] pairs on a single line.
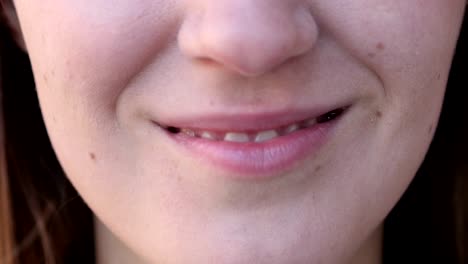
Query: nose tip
[[248, 37]]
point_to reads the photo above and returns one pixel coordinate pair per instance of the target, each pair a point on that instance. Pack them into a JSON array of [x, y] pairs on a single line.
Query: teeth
[[310, 122], [266, 135], [260, 136], [236, 137], [188, 132], [208, 135], [291, 128], [245, 137]]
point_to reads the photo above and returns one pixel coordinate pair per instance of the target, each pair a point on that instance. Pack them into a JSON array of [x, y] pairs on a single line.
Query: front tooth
[[266, 135], [311, 122], [236, 137], [208, 135], [292, 128]]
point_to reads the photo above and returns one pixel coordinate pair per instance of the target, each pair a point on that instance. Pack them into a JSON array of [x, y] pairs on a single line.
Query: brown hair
[[6, 225], [428, 224], [43, 219]]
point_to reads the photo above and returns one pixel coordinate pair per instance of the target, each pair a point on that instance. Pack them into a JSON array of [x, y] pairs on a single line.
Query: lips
[[252, 146]]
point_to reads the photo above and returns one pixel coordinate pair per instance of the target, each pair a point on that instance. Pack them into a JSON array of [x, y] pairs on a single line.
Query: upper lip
[[245, 121]]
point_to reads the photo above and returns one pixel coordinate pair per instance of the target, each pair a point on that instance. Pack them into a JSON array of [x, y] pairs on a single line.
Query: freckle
[[438, 76], [378, 114], [178, 178], [92, 156], [318, 168], [44, 77], [380, 46]]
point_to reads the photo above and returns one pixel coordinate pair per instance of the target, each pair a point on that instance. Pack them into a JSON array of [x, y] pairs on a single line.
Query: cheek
[[84, 54], [411, 57]]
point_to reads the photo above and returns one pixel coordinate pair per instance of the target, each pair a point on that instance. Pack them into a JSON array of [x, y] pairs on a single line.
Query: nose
[[249, 37]]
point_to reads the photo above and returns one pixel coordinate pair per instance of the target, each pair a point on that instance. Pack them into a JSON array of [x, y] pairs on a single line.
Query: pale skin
[[103, 69]]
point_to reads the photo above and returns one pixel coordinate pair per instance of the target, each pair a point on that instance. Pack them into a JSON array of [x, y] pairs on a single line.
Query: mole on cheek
[[318, 168], [92, 156], [380, 46], [376, 116]]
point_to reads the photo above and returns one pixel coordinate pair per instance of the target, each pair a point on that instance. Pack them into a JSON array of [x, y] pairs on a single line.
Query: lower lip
[[258, 160]]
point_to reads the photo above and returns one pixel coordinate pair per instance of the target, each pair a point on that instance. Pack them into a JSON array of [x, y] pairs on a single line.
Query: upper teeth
[[236, 137], [266, 135], [243, 137]]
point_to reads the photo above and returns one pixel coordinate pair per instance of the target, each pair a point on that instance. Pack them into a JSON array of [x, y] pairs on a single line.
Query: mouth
[[256, 136], [256, 146]]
